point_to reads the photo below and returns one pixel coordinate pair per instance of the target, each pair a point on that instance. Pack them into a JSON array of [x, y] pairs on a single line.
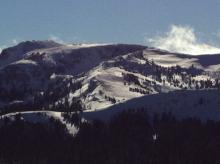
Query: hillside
[[44, 75], [202, 104]]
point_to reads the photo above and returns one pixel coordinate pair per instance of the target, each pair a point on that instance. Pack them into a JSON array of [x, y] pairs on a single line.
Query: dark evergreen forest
[[131, 137]]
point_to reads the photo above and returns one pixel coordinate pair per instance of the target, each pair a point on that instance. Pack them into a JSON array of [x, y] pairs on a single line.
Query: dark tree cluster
[[36, 143], [53, 97], [167, 74], [65, 106], [130, 78], [50, 99], [58, 89], [111, 99], [128, 138], [141, 91]]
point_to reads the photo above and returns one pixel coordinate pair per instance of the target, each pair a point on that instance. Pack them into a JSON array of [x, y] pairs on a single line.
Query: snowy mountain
[[13, 54], [44, 75]]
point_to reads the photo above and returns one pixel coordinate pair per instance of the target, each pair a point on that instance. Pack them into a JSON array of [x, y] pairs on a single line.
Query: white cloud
[[182, 39]]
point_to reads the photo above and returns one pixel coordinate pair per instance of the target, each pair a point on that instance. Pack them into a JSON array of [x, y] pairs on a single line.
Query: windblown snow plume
[[56, 39], [2, 47], [182, 39]]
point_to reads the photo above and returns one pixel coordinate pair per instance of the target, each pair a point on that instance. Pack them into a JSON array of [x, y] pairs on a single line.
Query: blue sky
[[104, 21]]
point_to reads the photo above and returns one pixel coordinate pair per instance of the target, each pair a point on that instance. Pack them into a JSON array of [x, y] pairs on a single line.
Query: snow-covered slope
[[43, 117], [144, 73], [46, 75], [203, 104], [54, 73], [15, 53]]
